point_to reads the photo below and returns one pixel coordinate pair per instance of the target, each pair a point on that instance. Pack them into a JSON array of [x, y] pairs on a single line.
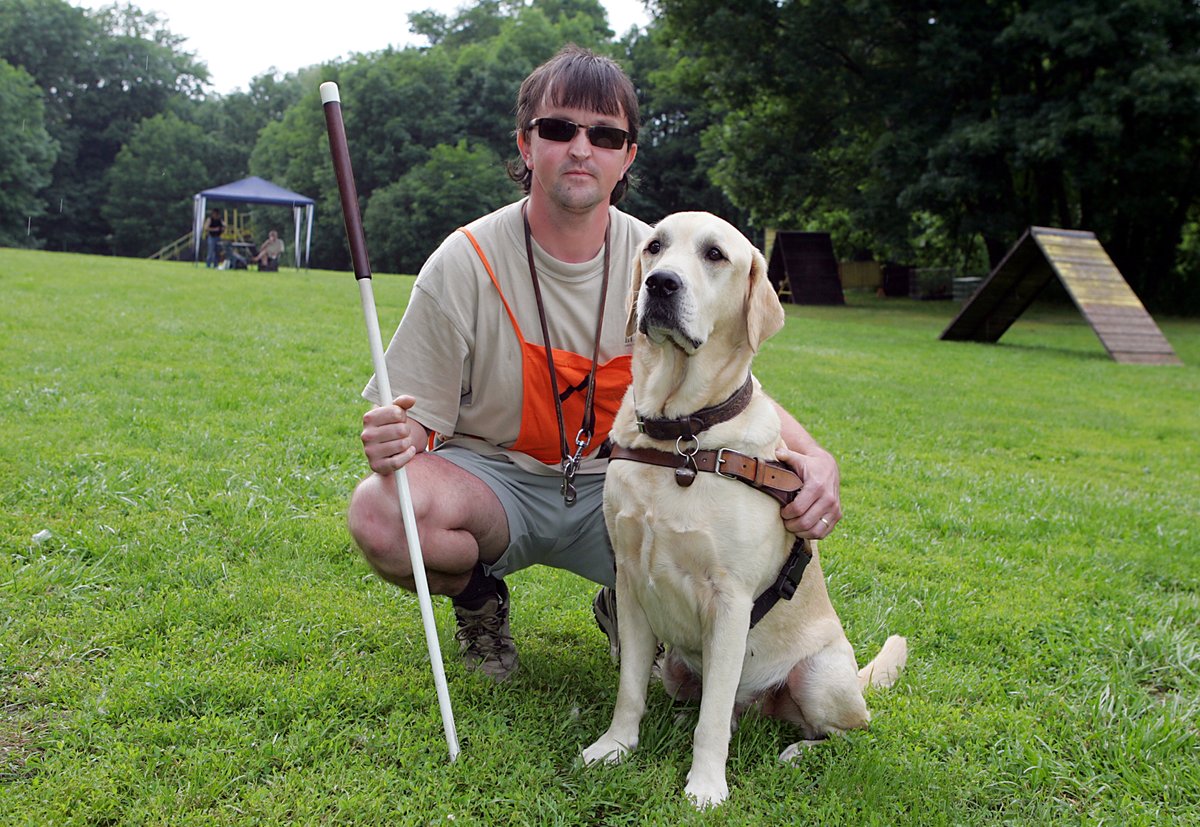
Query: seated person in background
[[269, 253]]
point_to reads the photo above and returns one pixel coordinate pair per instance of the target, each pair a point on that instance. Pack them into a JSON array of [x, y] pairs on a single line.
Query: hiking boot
[[483, 637], [604, 607]]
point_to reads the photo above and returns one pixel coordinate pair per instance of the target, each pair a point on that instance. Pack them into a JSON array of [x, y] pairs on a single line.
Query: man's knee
[[374, 521]]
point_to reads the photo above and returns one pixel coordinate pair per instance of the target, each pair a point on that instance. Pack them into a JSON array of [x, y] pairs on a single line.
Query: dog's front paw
[[607, 749], [706, 792]]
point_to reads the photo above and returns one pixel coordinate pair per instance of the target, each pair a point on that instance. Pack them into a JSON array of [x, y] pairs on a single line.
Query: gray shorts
[[542, 529]]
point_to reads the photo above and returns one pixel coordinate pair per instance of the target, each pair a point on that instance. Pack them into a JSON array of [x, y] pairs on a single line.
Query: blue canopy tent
[[255, 190]]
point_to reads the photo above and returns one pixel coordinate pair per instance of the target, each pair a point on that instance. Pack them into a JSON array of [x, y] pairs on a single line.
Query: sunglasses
[[562, 131]]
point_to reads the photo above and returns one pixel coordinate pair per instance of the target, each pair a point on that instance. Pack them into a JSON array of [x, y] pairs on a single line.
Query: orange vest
[[538, 435]]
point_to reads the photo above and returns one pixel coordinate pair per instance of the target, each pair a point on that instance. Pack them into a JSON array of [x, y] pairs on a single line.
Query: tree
[[102, 73], [407, 220], [985, 117], [154, 178], [238, 118], [671, 171], [400, 106], [27, 155]]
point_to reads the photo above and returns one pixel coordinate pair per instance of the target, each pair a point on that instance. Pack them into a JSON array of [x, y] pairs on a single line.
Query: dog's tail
[[885, 668]]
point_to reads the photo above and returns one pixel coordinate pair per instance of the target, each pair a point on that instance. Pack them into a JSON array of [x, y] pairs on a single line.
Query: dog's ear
[[764, 313], [635, 287]]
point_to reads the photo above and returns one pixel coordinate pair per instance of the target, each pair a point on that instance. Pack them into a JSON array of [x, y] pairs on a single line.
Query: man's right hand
[[390, 437]]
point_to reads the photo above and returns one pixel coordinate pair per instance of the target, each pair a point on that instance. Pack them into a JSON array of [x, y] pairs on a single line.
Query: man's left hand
[[818, 507]]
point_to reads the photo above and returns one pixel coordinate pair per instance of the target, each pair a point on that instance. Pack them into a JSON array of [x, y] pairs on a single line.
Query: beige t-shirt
[[456, 351]]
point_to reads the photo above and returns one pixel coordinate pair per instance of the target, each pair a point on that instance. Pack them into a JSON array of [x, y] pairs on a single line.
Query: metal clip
[[570, 466]]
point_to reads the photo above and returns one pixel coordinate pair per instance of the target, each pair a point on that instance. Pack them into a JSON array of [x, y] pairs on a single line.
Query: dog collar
[[701, 420]]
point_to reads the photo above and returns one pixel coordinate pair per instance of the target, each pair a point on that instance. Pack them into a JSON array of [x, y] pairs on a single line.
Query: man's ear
[[635, 287], [523, 148], [764, 313]]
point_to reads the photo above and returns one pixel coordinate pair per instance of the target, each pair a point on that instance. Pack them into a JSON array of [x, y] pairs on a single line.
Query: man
[[268, 255], [214, 226], [515, 479]]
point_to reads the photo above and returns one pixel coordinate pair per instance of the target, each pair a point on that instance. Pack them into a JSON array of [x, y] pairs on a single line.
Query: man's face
[[574, 175]]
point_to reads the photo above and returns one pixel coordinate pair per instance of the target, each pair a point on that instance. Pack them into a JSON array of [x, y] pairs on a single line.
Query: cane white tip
[[329, 92]]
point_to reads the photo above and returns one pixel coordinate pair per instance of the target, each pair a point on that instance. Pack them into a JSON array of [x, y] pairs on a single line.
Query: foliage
[[403, 108], [27, 155], [990, 116], [236, 119], [102, 73], [671, 170], [407, 219], [930, 135], [154, 178], [187, 636]]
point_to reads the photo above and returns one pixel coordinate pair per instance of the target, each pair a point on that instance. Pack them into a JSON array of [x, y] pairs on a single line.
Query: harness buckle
[[785, 585], [720, 462]]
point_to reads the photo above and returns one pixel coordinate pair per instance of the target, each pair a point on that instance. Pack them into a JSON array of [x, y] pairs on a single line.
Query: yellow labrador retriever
[[704, 563]]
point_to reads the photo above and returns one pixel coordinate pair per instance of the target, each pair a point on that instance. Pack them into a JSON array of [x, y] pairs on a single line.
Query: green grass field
[[187, 636]]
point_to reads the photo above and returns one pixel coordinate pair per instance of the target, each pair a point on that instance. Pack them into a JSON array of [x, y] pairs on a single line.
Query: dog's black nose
[[662, 284]]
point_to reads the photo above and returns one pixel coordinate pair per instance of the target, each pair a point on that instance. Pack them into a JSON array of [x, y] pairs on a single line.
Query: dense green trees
[[101, 74], [976, 118], [931, 134], [27, 155]]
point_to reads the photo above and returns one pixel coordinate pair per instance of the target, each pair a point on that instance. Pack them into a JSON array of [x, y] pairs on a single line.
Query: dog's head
[[697, 276]]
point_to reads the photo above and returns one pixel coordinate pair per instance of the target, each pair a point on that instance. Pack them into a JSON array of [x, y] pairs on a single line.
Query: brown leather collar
[[701, 420], [767, 476]]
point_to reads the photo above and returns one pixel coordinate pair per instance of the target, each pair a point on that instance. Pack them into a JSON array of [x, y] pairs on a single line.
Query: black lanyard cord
[[587, 427]]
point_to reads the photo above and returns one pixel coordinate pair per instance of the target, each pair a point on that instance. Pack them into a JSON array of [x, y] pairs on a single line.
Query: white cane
[[332, 103]]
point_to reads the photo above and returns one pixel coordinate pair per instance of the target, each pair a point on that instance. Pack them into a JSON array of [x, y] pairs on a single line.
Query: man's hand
[[817, 508], [390, 437]]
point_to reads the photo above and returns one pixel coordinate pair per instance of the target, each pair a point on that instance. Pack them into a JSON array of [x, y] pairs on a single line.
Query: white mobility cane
[[332, 102]]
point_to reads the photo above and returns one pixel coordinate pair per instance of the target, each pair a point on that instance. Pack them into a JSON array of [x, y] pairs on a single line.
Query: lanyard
[[570, 463]]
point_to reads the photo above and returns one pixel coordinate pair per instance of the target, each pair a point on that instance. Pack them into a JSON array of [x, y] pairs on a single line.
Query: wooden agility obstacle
[[803, 269], [1094, 283]]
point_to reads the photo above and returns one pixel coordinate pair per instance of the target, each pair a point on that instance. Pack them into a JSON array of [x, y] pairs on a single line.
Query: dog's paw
[[607, 750], [706, 792], [792, 754]]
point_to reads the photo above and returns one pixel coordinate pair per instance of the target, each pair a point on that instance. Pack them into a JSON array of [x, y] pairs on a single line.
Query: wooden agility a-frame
[[1095, 285], [803, 268]]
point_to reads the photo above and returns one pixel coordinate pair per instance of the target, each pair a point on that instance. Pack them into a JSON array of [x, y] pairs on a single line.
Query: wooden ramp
[[803, 268], [1098, 289]]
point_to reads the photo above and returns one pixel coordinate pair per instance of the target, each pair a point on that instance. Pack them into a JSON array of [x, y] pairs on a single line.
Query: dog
[[695, 551]]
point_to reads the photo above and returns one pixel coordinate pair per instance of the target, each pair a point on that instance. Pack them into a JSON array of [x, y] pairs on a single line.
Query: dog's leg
[[724, 653], [821, 696], [638, 649]]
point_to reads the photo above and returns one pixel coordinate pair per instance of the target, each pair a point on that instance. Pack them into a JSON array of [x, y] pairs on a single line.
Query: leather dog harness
[[768, 476]]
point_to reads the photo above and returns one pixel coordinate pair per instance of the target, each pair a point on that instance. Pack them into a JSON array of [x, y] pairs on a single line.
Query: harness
[[770, 477]]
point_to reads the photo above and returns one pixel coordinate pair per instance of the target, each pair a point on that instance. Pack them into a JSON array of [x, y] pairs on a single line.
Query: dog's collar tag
[[685, 475]]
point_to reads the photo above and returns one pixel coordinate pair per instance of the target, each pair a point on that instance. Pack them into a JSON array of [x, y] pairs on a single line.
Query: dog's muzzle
[[660, 308]]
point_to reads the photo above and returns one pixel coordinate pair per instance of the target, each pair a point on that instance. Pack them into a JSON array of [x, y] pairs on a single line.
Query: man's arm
[[817, 508]]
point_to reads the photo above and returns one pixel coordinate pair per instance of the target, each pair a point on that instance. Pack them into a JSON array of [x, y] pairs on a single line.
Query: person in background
[[268, 254], [214, 226]]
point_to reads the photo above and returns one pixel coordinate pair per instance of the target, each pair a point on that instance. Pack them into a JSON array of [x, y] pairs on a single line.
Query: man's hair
[[576, 78]]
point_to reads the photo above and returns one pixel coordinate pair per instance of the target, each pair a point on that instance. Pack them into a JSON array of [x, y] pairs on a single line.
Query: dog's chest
[[683, 550]]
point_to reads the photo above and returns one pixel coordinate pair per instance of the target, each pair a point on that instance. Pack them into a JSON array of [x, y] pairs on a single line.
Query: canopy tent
[[255, 190]]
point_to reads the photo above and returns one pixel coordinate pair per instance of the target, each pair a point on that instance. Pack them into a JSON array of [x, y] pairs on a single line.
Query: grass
[[187, 636]]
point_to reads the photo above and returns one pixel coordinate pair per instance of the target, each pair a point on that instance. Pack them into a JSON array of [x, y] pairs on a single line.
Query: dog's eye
[[654, 247], [714, 254]]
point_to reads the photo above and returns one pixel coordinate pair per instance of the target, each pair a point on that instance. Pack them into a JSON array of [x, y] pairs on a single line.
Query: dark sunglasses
[[557, 129]]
